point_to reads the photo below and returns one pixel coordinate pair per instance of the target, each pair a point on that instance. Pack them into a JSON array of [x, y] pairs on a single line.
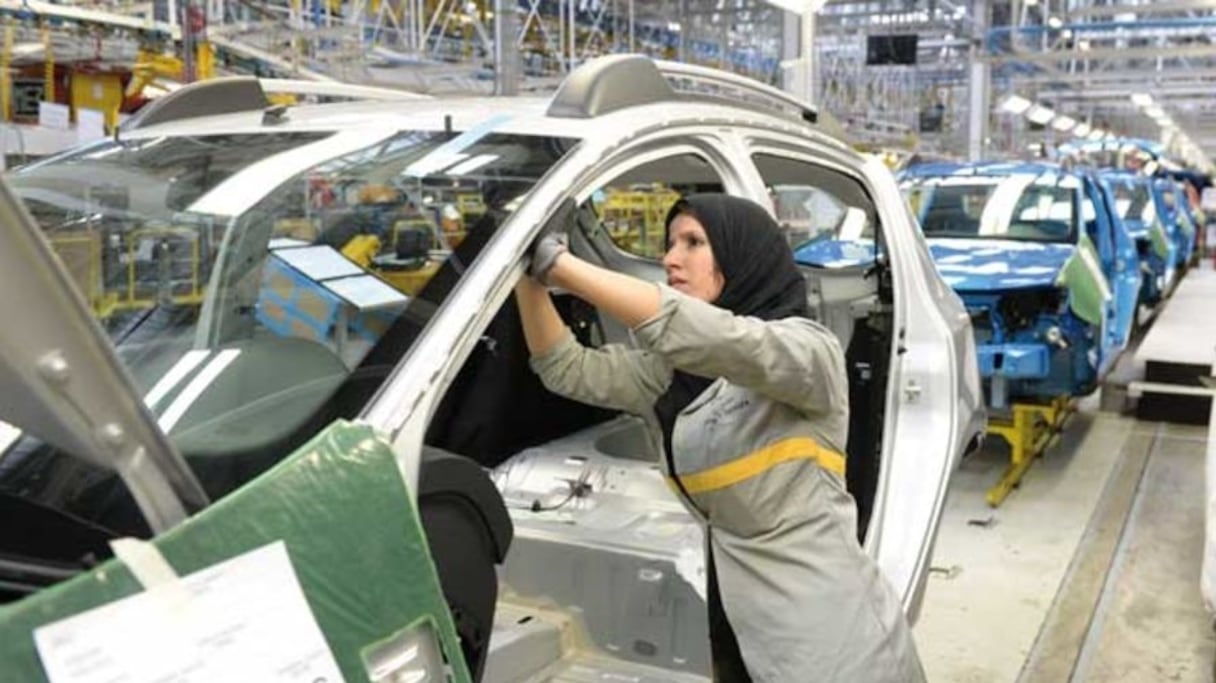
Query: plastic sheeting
[[340, 506]]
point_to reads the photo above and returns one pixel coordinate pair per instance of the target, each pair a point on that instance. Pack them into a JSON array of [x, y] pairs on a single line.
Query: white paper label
[[90, 125], [243, 620], [54, 115]]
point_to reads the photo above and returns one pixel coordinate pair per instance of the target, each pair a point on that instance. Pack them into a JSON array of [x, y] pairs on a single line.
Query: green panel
[[1085, 291], [341, 508], [1185, 225], [1159, 240]]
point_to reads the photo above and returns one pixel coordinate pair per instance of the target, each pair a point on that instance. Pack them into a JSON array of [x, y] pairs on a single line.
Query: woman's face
[[689, 260]]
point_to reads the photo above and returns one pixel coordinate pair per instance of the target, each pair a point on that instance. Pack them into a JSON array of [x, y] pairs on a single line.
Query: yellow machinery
[[1030, 429], [635, 217], [149, 277], [99, 91], [151, 65], [363, 249], [80, 254]]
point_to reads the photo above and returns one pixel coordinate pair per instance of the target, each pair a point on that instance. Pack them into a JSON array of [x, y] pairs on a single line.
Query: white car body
[[933, 408]]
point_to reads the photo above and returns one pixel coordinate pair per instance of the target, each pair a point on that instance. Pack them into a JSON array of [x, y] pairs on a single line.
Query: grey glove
[[545, 251], [552, 241]]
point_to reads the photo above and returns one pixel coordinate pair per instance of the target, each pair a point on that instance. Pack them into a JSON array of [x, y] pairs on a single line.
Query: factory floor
[[1088, 572]]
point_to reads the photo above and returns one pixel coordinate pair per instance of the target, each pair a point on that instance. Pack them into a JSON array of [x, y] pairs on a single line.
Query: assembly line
[[524, 341]]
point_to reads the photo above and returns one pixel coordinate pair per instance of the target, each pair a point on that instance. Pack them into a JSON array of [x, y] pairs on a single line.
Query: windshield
[[259, 286], [1134, 202], [1038, 208]]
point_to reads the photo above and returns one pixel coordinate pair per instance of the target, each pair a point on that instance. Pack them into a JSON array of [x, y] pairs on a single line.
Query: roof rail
[[247, 93], [335, 89], [606, 84], [203, 98], [717, 84]]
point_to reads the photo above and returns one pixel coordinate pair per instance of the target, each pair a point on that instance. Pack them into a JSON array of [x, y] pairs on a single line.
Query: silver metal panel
[[626, 557]]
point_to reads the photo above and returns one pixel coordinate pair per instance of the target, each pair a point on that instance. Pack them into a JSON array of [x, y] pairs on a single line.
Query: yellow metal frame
[[630, 214], [1031, 430], [102, 302], [131, 300]]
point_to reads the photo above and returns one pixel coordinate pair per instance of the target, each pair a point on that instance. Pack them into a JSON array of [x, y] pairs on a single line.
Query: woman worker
[[748, 398]]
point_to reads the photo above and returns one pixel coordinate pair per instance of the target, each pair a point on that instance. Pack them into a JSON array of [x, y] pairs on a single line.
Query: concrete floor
[[1088, 572]]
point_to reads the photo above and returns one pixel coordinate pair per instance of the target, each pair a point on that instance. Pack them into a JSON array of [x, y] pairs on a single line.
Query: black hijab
[[760, 277]]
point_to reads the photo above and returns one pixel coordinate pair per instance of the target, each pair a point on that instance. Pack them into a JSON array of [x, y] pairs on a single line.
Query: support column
[[979, 85], [798, 54], [506, 51], [188, 41]]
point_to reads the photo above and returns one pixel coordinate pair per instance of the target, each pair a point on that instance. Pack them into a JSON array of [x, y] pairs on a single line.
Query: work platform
[[1178, 355]]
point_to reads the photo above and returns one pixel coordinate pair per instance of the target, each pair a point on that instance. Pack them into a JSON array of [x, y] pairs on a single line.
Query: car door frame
[[924, 405], [1121, 268], [402, 408]]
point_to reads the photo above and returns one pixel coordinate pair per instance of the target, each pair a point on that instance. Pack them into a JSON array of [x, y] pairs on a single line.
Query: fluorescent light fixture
[[1154, 111], [1040, 114], [1066, 34], [1031, 3], [1015, 105], [28, 49], [1097, 134], [1081, 130], [1054, 22], [799, 6], [1083, 45], [1064, 123], [1141, 99]]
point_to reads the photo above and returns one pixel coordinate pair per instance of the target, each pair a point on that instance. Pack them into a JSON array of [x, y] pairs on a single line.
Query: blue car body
[[1136, 205], [1172, 207], [1051, 288]]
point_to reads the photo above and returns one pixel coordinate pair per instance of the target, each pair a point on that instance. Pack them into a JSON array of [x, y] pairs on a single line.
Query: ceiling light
[[1054, 22], [1081, 130], [1066, 34], [1141, 99], [1154, 111], [1064, 123], [1031, 3], [1015, 105], [1083, 45], [1097, 134], [1040, 114]]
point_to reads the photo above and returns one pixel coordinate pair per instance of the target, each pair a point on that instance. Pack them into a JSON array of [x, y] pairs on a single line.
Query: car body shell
[[931, 402], [1054, 314]]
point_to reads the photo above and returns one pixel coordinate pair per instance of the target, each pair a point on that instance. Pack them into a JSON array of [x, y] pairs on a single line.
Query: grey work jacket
[[760, 455]]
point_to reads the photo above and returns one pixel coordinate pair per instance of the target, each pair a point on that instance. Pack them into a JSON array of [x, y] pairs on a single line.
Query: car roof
[[606, 99], [986, 168], [512, 115]]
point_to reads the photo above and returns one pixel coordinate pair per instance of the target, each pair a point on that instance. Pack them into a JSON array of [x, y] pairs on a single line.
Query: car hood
[[994, 265], [835, 253]]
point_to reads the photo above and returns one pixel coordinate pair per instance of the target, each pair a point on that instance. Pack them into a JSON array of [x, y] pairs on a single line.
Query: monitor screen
[[891, 48]]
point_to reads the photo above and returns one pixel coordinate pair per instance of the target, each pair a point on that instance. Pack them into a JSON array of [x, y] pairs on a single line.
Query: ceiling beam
[[1106, 53], [1155, 7]]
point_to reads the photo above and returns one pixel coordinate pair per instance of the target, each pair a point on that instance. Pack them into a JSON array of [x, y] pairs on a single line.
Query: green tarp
[[341, 508]]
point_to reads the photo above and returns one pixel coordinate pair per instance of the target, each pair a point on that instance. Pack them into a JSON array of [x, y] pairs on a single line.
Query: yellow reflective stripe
[[758, 462]]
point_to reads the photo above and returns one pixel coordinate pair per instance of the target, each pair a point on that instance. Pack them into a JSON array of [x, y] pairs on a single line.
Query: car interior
[[493, 410]]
